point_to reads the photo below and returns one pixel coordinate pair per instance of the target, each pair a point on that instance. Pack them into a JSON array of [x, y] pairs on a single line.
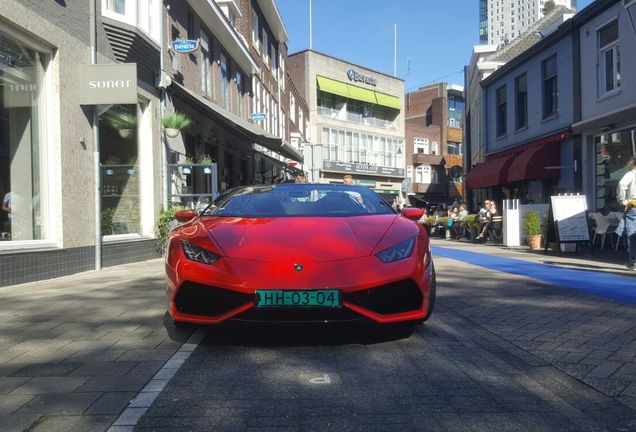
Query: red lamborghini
[[299, 252]]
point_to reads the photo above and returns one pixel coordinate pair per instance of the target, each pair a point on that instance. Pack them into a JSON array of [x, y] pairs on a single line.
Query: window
[[206, 78], [190, 28], [265, 48], [423, 174], [116, 6], [175, 55], [24, 214], [281, 69], [409, 172], [609, 58], [550, 87], [255, 31], [502, 107], [435, 150], [301, 122], [240, 93], [292, 107], [225, 79], [454, 148], [521, 101], [421, 146]]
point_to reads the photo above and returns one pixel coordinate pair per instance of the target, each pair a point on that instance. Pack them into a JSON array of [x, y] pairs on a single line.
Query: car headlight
[[399, 251], [195, 253]]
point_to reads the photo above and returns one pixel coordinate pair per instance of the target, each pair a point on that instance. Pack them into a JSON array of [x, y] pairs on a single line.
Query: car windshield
[[299, 200]]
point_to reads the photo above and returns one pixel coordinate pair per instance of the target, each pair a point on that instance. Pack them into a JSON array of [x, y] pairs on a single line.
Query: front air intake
[[198, 299], [396, 297]]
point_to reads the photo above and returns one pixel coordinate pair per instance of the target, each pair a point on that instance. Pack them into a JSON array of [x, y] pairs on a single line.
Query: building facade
[[356, 122], [48, 221], [605, 115], [434, 147], [507, 19], [57, 218], [527, 112]]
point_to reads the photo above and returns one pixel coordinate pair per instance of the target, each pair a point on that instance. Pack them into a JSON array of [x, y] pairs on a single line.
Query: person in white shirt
[[626, 195]]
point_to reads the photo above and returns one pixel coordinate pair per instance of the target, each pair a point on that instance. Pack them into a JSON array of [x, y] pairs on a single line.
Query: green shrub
[[162, 228], [532, 223], [472, 221]]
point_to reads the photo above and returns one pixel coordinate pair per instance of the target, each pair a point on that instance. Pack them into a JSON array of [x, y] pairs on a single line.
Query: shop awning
[[531, 163], [362, 94], [358, 93], [333, 86], [238, 124], [492, 172], [388, 100]]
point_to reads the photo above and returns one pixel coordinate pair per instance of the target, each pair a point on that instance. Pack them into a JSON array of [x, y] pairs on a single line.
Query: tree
[[548, 7]]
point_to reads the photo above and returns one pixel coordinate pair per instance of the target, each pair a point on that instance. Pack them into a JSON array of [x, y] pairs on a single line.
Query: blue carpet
[[601, 284]]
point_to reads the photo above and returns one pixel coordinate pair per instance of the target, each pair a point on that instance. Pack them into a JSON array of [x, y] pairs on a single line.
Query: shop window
[[612, 153], [118, 137], [23, 150]]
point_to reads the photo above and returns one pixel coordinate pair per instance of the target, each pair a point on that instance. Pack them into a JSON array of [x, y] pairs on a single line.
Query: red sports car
[[300, 252]]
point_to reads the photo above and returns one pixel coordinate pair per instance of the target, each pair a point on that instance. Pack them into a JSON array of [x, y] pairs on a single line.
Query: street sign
[[184, 46], [257, 116]]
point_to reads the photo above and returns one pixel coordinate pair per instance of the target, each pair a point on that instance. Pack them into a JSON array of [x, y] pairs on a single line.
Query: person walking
[[626, 195]]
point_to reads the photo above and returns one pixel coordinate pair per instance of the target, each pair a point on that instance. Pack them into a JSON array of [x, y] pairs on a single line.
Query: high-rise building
[[500, 21]]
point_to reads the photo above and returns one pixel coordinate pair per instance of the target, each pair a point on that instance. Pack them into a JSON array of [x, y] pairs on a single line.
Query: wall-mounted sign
[[358, 77], [184, 46], [108, 84], [354, 168], [257, 116]]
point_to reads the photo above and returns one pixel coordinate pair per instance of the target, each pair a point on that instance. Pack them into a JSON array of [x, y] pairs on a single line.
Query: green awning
[[333, 86], [340, 88], [361, 94], [388, 100]]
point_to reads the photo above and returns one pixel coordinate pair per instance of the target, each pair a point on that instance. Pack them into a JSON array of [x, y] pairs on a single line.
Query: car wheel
[[433, 290]]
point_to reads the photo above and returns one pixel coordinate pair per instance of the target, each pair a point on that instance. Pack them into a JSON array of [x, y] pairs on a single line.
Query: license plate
[[278, 298]]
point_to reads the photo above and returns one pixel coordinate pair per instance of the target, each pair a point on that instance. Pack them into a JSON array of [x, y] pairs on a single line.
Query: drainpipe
[[162, 110], [96, 162]]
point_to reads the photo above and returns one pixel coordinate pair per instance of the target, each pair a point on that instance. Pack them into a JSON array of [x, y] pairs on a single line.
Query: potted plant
[[173, 123], [206, 160], [187, 166], [125, 124], [532, 226]]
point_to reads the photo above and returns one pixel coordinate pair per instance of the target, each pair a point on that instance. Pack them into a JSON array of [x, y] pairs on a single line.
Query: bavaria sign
[[257, 116], [108, 84], [358, 77], [184, 46]]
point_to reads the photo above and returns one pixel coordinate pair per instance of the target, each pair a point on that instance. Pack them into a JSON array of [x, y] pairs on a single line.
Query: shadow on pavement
[[285, 335]]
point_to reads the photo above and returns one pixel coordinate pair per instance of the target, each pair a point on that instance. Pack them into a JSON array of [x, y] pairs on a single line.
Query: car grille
[[396, 297], [198, 299]]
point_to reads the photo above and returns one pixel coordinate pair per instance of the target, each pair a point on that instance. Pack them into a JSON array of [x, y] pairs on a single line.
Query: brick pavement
[[77, 349]]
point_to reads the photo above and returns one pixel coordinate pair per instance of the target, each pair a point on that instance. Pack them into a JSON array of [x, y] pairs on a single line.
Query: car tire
[[432, 295]]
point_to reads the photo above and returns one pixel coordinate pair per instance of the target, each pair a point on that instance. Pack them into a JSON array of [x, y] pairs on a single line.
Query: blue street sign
[[257, 116], [184, 46]]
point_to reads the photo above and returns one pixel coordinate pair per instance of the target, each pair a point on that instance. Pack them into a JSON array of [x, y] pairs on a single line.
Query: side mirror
[[185, 215], [412, 213]]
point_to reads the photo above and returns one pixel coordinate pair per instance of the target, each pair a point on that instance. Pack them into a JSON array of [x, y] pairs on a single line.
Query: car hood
[[320, 239]]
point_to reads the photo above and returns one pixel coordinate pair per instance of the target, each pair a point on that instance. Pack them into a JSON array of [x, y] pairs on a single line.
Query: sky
[[434, 37]]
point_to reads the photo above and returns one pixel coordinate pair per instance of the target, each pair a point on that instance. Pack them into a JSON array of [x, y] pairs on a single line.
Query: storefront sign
[[358, 77], [108, 84], [21, 94], [257, 116], [184, 46], [354, 168]]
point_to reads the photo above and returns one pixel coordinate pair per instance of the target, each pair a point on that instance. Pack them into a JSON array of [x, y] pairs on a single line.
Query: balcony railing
[[356, 118], [426, 159]]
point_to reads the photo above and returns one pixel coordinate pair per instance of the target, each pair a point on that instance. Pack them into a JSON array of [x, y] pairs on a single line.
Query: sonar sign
[[184, 46], [108, 84]]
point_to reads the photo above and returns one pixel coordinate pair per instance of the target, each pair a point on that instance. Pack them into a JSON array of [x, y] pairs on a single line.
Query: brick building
[[433, 123]]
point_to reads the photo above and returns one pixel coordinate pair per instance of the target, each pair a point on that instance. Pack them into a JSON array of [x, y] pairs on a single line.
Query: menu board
[[570, 216]]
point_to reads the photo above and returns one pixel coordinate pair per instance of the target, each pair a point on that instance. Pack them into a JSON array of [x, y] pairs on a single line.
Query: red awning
[[492, 172], [531, 163]]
